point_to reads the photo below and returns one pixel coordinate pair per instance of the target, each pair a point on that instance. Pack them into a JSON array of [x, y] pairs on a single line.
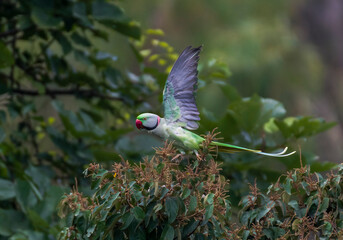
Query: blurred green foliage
[[58, 92], [65, 103], [258, 39]]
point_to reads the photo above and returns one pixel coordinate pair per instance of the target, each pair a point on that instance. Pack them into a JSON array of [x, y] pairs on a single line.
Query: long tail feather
[[228, 148]]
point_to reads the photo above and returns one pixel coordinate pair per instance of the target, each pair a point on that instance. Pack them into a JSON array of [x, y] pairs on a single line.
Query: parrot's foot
[[197, 154], [180, 155]]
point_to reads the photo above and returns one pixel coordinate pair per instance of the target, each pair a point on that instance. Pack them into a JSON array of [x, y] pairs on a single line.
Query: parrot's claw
[[197, 154], [180, 155]]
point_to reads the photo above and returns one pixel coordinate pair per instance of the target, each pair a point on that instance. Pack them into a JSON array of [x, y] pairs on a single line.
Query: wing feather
[[179, 91]]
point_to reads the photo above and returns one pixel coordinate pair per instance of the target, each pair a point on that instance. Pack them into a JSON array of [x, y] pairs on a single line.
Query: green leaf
[[246, 234], [274, 232], [37, 222], [247, 216], [199, 236], [80, 124], [164, 192], [11, 221], [7, 190], [189, 228], [209, 198], [185, 193], [130, 29], [91, 230], [172, 209], [320, 166], [246, 113], [81, 40], [24, 22], [327, 228], [193, 202], [158, 207], [230, 92], [167, 233], [103, 155], [28, 235], [209, 211], [324, 205], [252, 113], [83, 57], [264, 210], [102, 10], [80, 12], [153, 224], [127, 219], [119, 235], [228, 211], [110, 202], [158, 32], [294, 204], [113, 77], [64, 42], [6, 57], [160, 167], [139, 213], [287, 186], [138, 234], [271, 109], [182, 206], [4, 171], [45, 18], [38, 179], [302, 126], [24, 194]]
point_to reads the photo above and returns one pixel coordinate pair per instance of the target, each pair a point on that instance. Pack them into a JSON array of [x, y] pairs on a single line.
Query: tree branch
[[32, 134], [53, 92], [9, 33], [13, 46]]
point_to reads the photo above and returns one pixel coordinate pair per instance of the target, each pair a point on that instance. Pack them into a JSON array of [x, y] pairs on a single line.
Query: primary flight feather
[[181, 112]]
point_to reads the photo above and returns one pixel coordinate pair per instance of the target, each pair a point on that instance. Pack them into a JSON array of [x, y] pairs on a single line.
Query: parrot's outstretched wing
[[179, 91], [228, 148]]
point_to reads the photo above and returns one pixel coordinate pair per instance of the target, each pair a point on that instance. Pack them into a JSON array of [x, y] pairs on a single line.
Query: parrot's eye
[[144, 118]]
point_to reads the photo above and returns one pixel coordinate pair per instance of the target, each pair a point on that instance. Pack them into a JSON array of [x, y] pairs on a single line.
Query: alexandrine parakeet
[[180, 110]]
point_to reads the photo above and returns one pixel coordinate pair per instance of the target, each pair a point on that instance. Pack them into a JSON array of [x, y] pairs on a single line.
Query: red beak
[[139, 124]]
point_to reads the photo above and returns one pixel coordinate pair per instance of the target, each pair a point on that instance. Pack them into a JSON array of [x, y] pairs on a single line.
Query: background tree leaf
[[7, 190]]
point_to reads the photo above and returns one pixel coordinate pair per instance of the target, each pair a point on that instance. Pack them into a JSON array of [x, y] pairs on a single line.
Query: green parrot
[[181, 113]]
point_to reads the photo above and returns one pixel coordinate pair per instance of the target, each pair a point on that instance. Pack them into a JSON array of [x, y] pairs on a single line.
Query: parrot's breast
[[160, 130], [181, 137]]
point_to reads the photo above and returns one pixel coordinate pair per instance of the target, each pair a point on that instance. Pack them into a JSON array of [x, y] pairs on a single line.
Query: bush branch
[[54, 92], [9, 33]]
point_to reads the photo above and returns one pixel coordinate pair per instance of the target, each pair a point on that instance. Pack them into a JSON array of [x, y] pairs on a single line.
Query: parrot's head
[[147, 121]]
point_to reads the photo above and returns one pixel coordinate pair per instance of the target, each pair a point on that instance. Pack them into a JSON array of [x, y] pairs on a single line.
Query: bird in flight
[[181, 113]]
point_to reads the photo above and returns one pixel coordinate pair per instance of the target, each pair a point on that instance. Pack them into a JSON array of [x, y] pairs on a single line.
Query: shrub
[[170, 196], [167, 196], [304, 205]]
